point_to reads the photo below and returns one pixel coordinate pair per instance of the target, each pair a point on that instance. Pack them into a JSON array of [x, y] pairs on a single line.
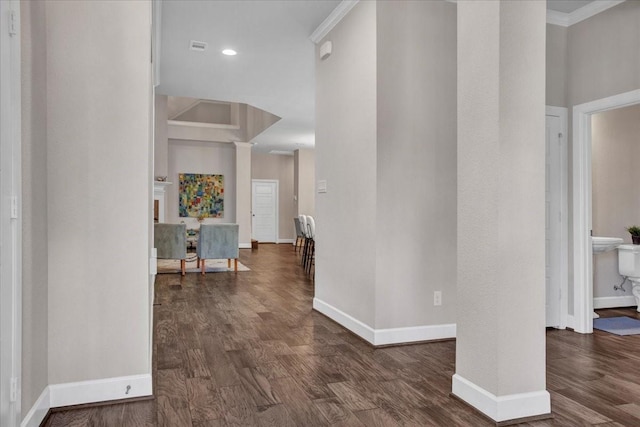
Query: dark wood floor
[[247, 350]]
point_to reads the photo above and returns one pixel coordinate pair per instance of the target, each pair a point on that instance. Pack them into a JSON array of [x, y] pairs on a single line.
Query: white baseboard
[[385, 336], [502, 408], [38, 411], [244, 245], [290, 241], [68, 394], [103, 390], [351, 323], [613, 302], [414, 334]]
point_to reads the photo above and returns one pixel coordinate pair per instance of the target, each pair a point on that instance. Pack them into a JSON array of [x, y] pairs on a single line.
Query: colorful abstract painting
[[201, 195]]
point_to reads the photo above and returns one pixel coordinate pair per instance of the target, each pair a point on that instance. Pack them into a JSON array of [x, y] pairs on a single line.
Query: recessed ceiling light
[[229, 52]]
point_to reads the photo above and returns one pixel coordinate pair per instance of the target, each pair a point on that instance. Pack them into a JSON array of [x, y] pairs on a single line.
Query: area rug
[[172, 266], [618, 325]]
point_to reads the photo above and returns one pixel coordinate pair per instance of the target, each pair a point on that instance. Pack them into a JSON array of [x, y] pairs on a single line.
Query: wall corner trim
[[289, 241], [332, 20], [385, 336], [244, 245], [38, 411], [351, 323], [101, 390], [502, 408]]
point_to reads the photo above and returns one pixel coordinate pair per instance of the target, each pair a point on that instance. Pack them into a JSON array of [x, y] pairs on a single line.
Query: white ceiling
[[567, 6], [274, 69]]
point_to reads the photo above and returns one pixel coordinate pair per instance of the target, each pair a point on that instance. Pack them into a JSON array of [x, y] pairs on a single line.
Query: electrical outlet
[[437, 298]]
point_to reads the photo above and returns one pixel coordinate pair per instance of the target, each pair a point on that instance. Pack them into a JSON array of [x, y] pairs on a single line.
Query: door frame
[[277, 217], [10, 215], [562, 114], [582, 225]]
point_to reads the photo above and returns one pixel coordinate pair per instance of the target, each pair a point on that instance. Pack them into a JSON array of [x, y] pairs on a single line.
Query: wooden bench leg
[[229, 263], [236, 265], [202, 266], [183, 265]]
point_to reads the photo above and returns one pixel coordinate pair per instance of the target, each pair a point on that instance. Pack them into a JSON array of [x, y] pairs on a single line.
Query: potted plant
[[634, 230]]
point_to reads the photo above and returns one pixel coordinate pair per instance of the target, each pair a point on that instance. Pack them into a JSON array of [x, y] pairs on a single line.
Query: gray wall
[[98, 195], [615, 144], [556, 60], [416, 163], [604, 54], [346, 158], [304, 184], [273, 166], [34, 204], [205, 158], [161, 141], [390, 207]]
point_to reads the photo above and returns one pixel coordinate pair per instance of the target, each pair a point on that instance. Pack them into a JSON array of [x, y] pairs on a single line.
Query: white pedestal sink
[[605, 244]]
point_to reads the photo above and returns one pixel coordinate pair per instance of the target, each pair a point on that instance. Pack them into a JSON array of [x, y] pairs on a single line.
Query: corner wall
[[98, 196], [416, 163], [386, 145], [346, 157]]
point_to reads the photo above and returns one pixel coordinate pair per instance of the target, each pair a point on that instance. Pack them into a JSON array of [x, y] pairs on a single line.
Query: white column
[[243, 192], [500, 351]]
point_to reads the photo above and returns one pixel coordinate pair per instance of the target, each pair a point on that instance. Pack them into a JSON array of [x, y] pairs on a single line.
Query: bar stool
[[311, 224], [299, 234]]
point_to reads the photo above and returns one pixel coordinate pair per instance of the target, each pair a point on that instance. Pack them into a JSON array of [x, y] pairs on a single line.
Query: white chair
[[311, 235], [299, 233], [303, 226]]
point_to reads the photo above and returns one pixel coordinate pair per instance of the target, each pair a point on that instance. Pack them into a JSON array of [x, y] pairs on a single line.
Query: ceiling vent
[[197, 46]]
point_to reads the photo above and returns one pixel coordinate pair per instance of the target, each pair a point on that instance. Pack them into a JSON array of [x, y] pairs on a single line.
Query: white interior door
[[553, 212], [264, 207]]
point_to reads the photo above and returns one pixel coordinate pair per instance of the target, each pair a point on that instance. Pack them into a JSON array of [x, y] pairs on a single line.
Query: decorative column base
[[502, 408]]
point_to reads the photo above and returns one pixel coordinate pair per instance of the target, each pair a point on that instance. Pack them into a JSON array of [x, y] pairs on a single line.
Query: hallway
[[246, 349]]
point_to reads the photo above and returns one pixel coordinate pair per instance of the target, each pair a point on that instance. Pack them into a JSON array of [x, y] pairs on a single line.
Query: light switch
[[322, 186]]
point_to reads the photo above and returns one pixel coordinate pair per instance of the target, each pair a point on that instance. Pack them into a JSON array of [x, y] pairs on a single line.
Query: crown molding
[[332, 20], [579, 15], [585, 12], [592, 9], [557, 18]]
